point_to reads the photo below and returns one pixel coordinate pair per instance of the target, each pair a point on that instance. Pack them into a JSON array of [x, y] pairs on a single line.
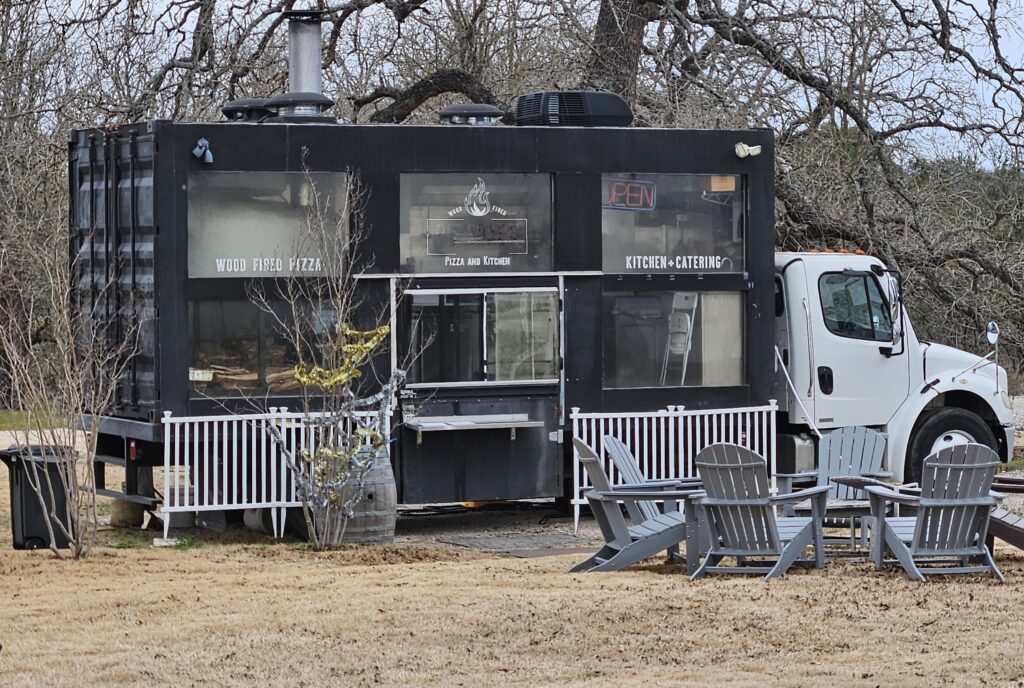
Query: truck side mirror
[[896, 309], [894, 293], [895, 297], [992, 333]]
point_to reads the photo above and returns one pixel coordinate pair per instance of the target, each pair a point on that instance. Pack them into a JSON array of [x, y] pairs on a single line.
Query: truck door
[[857, 379], [796, 345], [781, 390]]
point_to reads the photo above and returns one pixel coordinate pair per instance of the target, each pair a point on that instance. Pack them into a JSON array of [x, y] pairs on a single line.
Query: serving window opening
[[467, 337], [673, 339]]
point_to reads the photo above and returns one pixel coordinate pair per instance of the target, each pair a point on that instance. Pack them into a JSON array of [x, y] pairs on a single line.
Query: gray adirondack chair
[[643, 509], [951, 523], [626, 545], [629, 468], [740, 515], [847, 452]]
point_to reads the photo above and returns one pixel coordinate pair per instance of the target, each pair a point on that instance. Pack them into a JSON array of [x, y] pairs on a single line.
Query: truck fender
[[901, 425]]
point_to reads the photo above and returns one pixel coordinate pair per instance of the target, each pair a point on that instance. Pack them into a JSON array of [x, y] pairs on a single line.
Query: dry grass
[[274, 614]]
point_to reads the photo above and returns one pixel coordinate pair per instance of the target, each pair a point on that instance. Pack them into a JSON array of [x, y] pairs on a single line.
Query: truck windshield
[[853, 306]]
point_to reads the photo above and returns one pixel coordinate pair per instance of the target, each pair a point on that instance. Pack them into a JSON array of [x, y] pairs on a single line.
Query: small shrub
[[187, 543]]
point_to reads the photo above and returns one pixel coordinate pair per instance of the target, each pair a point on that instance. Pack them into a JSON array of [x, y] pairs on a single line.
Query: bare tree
[[885, 90], [64, 370], [895, 123], [345, 403]]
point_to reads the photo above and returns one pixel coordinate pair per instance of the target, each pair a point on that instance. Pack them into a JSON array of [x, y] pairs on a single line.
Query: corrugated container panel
[[113, 251]]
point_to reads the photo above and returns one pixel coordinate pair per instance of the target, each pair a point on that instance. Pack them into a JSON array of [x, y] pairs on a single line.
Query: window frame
[[886, 310], [483, 292]]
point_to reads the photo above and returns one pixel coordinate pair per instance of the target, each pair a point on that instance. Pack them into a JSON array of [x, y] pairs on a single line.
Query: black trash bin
[[28, 517]]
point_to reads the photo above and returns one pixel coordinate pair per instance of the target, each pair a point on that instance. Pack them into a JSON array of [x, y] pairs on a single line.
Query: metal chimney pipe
[[305, 96], [304, 42]]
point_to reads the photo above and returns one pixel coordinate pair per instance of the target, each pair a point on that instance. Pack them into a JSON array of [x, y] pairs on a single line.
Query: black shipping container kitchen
[[540, 268]]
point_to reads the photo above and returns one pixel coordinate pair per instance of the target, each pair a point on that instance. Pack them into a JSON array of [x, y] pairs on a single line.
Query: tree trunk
[[615, 52]]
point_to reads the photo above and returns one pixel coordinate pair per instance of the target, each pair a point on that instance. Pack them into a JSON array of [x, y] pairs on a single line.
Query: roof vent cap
[[305, 98], [474, 114], [299, 104], [246, 110]]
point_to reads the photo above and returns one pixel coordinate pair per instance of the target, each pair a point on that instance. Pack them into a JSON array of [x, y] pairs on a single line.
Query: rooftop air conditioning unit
[[572, 109]]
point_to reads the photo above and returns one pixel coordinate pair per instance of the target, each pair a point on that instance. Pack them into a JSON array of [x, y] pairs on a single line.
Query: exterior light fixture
[[203, 152], [743, 150]]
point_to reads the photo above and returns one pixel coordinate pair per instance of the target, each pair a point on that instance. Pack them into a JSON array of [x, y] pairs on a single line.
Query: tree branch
[[406, 101]]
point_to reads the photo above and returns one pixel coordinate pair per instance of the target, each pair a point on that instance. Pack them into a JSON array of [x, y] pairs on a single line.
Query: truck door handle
[[825, 379]]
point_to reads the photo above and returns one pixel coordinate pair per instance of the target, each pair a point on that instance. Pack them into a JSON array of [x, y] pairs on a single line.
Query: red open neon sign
[[626, 194]]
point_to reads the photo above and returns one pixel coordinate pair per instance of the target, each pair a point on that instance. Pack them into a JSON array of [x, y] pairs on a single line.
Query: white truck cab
[[847, 354]]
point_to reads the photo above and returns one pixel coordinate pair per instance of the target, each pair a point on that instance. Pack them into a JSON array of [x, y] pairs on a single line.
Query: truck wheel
[[945, 427]]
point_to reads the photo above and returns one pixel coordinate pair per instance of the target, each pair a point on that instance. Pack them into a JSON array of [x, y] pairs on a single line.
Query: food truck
[[529, 269], [564, 260]]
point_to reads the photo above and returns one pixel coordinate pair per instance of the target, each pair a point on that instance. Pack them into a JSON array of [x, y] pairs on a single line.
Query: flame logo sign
[[477, 204]]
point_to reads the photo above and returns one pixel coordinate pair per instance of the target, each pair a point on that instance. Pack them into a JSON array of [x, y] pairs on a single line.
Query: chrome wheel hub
[[951, 438]]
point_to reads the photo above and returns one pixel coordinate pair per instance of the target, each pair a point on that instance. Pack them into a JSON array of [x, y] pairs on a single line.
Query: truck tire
[[942, 428]]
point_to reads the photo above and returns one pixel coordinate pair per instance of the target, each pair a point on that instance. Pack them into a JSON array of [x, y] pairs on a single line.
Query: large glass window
[[486, 222], [673, 339], [672, 223], [264, 224], [497, 336], [853, 306], [241, 347], [522, 340]]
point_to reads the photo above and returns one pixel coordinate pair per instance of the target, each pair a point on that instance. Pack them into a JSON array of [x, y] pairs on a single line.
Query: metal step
[[151, 502], [112, 460]]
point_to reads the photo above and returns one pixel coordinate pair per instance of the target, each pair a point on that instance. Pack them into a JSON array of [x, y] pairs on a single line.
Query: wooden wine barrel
[[374, 516]]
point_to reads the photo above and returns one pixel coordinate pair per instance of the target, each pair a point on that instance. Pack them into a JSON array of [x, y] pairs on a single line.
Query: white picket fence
[[665, 442], [219, 463]]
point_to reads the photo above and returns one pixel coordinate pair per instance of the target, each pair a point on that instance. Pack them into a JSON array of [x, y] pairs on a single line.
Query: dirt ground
[[240, 608]]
